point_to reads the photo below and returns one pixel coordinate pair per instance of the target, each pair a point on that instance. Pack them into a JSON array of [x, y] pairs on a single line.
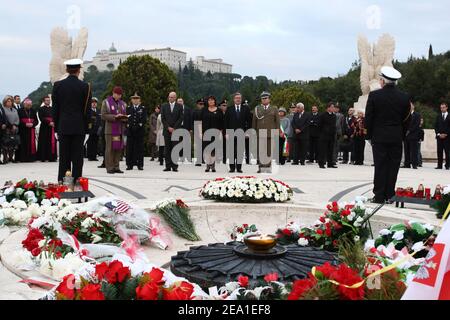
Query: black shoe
[[322, 167], [295, 163], [332, 167], [110, 172], [140, 168], [406, 167], [447, 168], [377, 201], [438, 168], [414, 167], [240, 171], [152, 159], [231, 171], [118, 171], [101, 166], [207, 170], [175, 169], [129, 168], [167, 170], [302, 163]]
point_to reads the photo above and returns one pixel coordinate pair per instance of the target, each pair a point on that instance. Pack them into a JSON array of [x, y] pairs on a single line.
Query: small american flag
[[118, 206]]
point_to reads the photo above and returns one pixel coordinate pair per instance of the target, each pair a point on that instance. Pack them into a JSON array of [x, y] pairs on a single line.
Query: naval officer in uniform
[[135, 133], [71, 113], [387, 114]]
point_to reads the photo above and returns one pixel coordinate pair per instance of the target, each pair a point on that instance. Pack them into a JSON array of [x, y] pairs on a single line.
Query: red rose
[[322, 219], [345, 213], [287, 232], [155, 275], [243, 281], [335, 243], [245, 226], [34, 236], [328, 232], [55, 243], [179, 291], [319, 232], [117, 272], [271, 277], [66, 289], [101, 270], [36, 251], [149, 291], [75, 233], [92, 292]]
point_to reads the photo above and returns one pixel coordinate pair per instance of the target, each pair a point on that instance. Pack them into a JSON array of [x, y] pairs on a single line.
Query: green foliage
[[147, 76], [98, 79], [37, 95], [352, 254], [110, 291], [180, 221], [292, 94], [442, 205]]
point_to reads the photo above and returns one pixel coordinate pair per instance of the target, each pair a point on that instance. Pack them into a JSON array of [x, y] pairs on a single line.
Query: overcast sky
[[284, 39]]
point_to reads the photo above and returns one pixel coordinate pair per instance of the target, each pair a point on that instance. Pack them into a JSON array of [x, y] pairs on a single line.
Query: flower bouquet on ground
[[239, 232], [414, 236], [246, 190], [291, 234], [443, 202], [176, 214], [338, 223], [125, 279]]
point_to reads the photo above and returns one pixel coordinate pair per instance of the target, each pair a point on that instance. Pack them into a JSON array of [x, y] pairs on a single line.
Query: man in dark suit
[[93, 128], [237, 117], [71, 113], [387, 113], [187, 124], [442, 129], [171, 117], [300, 126], [314, 134], [327, 137], [135, 133], [412, 140]]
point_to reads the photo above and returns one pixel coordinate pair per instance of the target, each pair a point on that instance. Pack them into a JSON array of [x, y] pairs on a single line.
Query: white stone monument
[[63, 48], [373, 57]]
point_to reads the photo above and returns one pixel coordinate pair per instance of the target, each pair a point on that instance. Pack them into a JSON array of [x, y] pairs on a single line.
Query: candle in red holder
[[428, 193], [420, 191], [84, 182]]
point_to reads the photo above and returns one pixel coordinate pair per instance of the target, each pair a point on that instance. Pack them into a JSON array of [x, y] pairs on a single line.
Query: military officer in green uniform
[[266, 122]]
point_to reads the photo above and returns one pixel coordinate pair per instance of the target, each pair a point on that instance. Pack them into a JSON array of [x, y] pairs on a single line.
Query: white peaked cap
[[390, 73]]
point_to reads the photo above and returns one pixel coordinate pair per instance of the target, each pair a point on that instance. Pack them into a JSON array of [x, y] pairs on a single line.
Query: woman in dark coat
[[27, 130], [212, 118]]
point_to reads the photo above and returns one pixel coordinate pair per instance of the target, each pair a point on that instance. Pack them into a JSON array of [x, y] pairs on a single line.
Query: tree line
[[426, 79]]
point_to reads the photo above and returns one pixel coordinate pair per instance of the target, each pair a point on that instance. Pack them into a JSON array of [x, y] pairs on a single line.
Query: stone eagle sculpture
[[63, 48], [373, 58]]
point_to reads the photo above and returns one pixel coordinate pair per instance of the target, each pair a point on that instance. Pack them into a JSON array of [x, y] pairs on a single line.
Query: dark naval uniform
[[387, 112], [135, 136], [71, 112]]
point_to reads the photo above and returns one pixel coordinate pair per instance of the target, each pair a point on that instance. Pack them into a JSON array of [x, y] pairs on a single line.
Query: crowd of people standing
[[116, 130]]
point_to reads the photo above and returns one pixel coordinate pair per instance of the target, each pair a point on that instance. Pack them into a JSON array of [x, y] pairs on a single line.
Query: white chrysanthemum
[[20, 191], [385, 232], [369, 244], [399, 235], [19, 204], [356, 238], [9, 191], [446, 190], [87, 223], [358, 222], [96, 238], [303, 242], [418, 246]]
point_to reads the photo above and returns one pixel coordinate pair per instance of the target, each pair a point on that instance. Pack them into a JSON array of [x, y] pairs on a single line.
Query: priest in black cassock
[[27, 131], [47, 140]]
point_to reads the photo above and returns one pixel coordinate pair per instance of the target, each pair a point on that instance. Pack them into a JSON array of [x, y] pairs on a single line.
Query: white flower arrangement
[[246, 189]]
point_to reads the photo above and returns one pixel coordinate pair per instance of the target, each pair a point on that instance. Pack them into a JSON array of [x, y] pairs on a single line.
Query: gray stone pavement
[[314, 188]]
